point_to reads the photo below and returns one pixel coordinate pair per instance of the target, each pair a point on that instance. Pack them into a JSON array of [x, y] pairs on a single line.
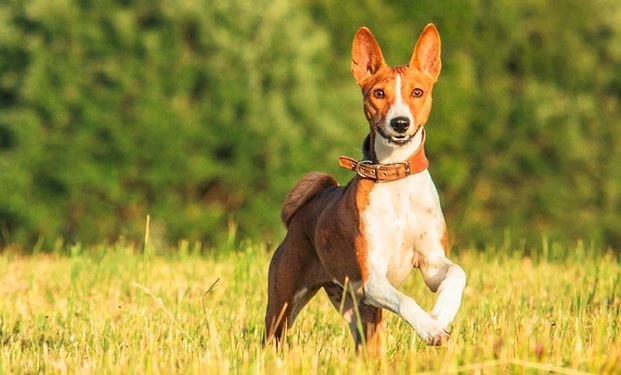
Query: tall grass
[[115, 310]]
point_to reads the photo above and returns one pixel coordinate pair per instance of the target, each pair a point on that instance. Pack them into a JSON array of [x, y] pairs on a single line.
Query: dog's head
[[397, 100]]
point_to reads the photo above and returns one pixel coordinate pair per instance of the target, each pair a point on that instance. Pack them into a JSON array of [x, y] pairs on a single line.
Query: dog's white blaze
[[399, 108], [404, 225]]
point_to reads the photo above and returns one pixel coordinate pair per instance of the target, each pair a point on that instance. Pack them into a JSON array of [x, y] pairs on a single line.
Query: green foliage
[[204, 113], [197, 113]]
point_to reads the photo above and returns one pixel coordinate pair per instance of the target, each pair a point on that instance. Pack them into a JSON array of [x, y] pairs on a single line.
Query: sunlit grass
[[114, 310]]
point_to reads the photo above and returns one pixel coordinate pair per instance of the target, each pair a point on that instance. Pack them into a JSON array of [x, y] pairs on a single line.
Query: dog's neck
[[379, 150]]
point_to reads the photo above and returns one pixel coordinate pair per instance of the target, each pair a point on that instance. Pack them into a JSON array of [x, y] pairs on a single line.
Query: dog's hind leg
[[295, 275], [365, 321]]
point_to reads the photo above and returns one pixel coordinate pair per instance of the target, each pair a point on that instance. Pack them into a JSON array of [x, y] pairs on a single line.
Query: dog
[[359, 242]]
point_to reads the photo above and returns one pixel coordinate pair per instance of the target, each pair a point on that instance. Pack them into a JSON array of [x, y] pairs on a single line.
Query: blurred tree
[[195, 112], [204, 113]]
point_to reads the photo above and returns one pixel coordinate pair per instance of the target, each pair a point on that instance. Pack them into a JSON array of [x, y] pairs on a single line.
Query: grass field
[[115, 310]]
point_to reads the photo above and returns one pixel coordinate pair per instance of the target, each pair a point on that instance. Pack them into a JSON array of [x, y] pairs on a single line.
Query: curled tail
[[308, 186]]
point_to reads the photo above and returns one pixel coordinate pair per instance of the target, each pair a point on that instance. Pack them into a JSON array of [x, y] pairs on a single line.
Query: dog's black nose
[[400, 124]]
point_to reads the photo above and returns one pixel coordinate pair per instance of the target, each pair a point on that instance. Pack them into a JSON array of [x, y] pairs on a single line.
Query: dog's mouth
[[398, 139]]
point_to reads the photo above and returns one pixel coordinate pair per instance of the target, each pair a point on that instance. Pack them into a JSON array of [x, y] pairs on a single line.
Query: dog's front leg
[[380, 293], [449, 280]]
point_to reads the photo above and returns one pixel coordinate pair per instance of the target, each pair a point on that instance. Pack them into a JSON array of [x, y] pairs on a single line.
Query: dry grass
[[113, 310]]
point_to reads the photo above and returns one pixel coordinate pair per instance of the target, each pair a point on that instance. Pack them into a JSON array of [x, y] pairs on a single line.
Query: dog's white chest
[[402, 222]]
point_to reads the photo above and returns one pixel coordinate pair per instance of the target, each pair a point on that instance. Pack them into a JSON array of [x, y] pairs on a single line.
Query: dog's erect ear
[[426, 55], [366, 55]]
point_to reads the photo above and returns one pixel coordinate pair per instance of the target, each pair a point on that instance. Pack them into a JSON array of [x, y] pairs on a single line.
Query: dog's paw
[[433, 333], [443, 320]]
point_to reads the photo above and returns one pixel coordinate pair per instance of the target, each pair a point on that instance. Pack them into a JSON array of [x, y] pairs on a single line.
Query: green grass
[[114, 310]]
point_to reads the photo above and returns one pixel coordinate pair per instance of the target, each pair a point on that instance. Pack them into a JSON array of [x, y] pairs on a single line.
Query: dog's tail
[[308, 186]]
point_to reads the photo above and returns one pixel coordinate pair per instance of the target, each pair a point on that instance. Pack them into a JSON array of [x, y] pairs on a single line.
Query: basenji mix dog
[[359, 242]]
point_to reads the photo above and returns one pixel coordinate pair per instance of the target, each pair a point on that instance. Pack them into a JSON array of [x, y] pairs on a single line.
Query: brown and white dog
[[368, 235]]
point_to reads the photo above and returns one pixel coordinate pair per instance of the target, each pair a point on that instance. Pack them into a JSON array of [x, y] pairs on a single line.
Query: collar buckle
[[360, 164], [406, 167]]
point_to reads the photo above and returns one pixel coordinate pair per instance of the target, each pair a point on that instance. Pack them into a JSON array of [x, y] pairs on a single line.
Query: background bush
[[204, 113]]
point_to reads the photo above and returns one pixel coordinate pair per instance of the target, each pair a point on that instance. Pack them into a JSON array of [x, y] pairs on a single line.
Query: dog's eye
[[378, 93], [417, 93]]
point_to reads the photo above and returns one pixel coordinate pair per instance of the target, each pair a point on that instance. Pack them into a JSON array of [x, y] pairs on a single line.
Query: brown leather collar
[[391, 171]]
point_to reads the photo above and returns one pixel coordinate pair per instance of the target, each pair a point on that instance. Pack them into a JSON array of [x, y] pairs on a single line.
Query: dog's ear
[[366, 57], [426, 55]]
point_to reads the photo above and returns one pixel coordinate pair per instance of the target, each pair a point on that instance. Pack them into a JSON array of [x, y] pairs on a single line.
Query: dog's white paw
[[442, 319], [432, 332]]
